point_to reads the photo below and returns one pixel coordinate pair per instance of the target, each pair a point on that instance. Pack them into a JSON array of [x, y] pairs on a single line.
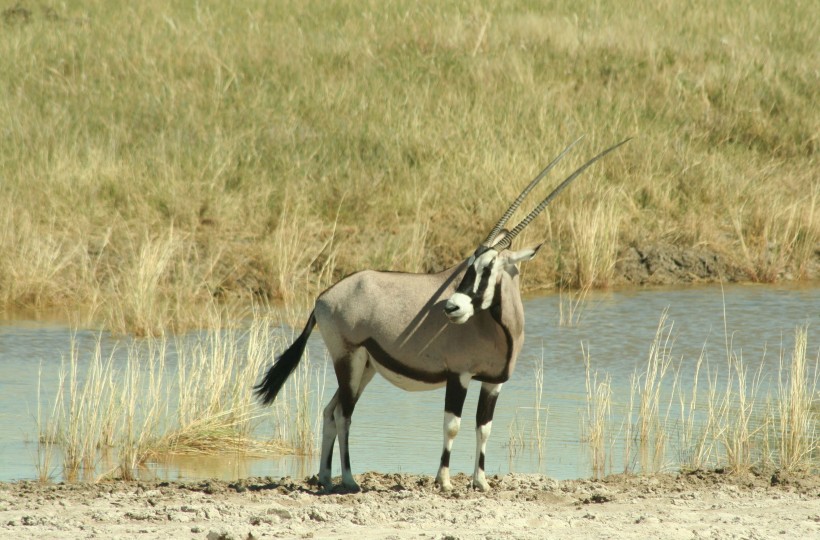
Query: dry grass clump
[[742, 420], [154, 398], [648, 386], [596, 431], [795, 413], [159, 156]]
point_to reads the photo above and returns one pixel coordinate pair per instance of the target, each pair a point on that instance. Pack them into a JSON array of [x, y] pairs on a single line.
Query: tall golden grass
[[159, 156], [795, 410], [159, 397], [648, 387], [733, 424], [597, 431]]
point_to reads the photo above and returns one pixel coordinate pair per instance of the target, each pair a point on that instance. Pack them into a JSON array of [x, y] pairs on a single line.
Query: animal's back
[[384, 304]]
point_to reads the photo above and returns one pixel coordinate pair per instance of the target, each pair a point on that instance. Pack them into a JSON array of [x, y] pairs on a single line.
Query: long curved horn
[[517, 202], [505, 242]]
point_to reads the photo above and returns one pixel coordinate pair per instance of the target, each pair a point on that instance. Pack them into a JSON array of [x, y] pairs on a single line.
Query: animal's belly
[[405, 382]]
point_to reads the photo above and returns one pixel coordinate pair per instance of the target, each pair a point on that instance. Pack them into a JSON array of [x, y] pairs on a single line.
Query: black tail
[[283, 366]]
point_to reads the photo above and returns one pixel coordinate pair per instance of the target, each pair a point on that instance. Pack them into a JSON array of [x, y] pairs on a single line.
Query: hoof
[[351, 485], [443, 481], [444, 486], [326, 484], [481, 486]]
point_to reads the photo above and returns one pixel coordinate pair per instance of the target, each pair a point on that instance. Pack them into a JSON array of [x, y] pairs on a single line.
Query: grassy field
[[160, 155]]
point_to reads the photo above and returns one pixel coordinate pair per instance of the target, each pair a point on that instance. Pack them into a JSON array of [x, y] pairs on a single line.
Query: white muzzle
[[459, 308]]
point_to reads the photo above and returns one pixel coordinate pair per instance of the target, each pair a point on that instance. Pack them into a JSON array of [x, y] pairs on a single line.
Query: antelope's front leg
[[453, 404], [484, 424]]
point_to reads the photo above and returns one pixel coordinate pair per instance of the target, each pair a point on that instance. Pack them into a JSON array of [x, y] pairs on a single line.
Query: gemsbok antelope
[[423, 331]]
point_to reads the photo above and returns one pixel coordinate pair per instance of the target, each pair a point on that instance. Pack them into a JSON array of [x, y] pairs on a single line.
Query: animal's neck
[[507, 308]]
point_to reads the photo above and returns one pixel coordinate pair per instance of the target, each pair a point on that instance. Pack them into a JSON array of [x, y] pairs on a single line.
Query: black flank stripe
[[384, 359]]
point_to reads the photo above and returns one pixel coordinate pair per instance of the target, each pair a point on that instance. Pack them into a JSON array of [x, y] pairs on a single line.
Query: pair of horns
[[508, 237]]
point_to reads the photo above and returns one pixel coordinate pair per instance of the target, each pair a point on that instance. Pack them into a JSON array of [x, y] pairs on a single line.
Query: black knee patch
[[347, 401], [486, 407]]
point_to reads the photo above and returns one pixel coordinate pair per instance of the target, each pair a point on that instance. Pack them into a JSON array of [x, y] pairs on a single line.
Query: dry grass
[[650, 429], [88, 407], [693, 442], [157, 397], [528, 430], [731, 424], [597, 433], [571, 304], [158, 157], [142, 406], [593, 235], [795, 422]]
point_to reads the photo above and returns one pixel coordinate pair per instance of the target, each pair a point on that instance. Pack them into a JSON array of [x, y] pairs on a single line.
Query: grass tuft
[[730, 425], [796, 414], [160, 397]]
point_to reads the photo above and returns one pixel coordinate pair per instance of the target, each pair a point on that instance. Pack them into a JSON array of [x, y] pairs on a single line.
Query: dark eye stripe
[[466, 285], [482, 285]]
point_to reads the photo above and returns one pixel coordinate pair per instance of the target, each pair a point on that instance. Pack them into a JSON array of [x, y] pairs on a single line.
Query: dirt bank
[[668, 264], [694, 505]]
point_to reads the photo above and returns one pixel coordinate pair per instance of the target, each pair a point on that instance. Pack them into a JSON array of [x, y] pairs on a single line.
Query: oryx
[[423, 331]]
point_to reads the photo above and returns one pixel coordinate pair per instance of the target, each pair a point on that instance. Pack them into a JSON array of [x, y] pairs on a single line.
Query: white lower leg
[[482, 433], [484, 424], [452, 423]]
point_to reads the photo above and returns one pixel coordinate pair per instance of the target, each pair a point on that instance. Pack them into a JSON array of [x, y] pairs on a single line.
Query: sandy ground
[[397, 506]]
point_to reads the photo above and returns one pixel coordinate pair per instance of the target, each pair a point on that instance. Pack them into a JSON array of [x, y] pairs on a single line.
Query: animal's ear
[[522, 255]]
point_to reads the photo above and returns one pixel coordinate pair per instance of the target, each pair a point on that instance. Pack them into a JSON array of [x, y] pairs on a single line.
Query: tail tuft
[[275, 378]]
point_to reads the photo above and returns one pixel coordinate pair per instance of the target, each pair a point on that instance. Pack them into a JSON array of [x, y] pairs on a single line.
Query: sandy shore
[[396, 506]]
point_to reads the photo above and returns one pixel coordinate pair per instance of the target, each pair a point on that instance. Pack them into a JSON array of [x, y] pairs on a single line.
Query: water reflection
[[227, 466], [398, 431]]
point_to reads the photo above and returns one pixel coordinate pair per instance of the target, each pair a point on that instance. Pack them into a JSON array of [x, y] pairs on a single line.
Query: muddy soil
[[397, 506], [668, 264]]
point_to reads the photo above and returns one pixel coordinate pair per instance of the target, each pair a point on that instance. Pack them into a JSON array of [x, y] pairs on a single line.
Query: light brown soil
[[693, 505]]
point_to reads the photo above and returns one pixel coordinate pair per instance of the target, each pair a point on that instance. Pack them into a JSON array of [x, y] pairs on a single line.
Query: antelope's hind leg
[[328, 440], [453, 404], [353, 374]]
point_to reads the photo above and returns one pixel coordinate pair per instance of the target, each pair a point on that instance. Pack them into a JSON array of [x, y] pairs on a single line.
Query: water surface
[[397, 431]]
